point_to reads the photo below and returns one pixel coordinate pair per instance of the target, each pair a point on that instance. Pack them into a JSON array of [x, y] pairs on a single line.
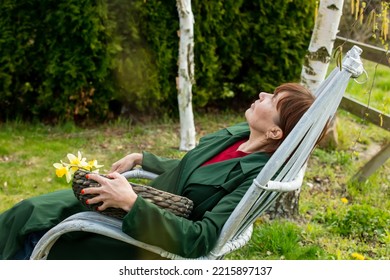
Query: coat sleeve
[[157, 164], [150, 224]]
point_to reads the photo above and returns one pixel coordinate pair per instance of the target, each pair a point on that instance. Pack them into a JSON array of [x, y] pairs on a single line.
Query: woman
[[215, 176]]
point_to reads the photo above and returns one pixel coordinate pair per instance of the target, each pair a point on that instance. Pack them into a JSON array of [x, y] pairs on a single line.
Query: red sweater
[[229, 153]]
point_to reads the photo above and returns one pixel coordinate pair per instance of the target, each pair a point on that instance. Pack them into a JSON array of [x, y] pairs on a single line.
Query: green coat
[[215, 190]]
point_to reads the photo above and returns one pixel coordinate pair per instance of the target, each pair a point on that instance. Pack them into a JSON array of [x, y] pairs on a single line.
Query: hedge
[[72, 59]]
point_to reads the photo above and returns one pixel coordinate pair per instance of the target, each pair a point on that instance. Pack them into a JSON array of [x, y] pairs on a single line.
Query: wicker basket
[[179, 205]]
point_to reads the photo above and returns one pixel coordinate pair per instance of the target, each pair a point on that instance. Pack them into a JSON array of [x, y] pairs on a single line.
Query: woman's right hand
[[127, 163]]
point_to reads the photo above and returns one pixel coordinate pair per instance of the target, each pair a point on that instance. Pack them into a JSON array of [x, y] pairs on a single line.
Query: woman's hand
[[115, 191], [127, 163]]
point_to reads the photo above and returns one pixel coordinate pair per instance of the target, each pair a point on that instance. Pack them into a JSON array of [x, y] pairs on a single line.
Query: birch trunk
[[313, 73], [185, 77], [321, 45], [319, 54]]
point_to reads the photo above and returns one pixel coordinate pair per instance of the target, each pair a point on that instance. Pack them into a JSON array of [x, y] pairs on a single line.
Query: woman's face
[[263, 115]]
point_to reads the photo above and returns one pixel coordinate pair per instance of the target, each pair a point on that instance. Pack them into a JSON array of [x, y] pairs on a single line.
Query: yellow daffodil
[[68, 176], [357, 256], [75, 162], [61, 170], [93, 166]]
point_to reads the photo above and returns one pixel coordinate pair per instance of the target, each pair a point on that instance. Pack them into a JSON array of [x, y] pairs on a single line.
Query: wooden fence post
[[373, 164]]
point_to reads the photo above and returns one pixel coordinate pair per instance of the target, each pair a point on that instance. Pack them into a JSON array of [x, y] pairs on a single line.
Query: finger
[[100, 179], [94, 200], [116, 166], [102, 207], [91, 190], [114, 175]]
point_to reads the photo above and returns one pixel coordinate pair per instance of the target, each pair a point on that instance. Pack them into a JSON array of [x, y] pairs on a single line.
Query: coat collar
[[220, 171], [241, 128]]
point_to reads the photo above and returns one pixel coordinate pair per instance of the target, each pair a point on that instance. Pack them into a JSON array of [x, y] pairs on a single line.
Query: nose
[[263, 95]]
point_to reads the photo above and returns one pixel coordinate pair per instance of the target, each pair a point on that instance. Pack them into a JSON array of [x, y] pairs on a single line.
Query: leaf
[[338, 55]]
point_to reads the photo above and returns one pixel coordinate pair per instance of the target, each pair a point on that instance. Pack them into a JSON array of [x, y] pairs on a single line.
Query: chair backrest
[[291, 157]]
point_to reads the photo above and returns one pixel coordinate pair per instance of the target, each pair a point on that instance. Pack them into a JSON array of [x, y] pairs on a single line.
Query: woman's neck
[[253, 144]]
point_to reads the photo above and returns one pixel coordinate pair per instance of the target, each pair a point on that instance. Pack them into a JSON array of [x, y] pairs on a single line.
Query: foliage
[[366, 21], [146, 65], [243, 47], [64, 60], [364, 222], [55, 58]]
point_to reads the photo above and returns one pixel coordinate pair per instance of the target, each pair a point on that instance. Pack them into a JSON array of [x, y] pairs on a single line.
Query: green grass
[[280, 240]]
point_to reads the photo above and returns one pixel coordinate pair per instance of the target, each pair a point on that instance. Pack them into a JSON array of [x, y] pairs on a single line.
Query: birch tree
[[327, 19], [317, 59], [185, 78]]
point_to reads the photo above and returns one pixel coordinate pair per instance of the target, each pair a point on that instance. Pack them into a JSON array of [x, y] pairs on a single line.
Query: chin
[[247, 112]]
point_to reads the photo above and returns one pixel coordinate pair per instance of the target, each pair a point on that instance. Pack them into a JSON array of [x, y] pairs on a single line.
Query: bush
[[147, 63], [243, 47], [363, 222], [55, 58], [69, 59]]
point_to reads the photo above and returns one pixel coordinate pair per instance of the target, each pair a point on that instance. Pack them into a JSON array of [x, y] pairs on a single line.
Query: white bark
[[185, 78], [321, 44], [313, 73]]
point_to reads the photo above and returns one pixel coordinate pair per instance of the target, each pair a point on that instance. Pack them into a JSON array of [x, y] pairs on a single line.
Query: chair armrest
[[139, 173], [288, 186], [95, 223]]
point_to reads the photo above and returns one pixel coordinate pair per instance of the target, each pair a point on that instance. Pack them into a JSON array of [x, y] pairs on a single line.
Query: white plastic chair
[[290, 158]]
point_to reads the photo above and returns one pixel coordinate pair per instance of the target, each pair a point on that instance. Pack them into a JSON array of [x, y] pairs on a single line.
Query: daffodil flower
[[93, 166], [62, 170], [75, 163]]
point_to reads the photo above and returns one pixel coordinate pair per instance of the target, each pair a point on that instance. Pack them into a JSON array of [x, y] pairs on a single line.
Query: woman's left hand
[[115, 191]]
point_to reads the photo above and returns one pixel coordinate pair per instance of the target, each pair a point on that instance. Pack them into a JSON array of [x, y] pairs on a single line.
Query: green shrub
[[364, 222], [243, 47], [147, 63], [55, 58], [70, 59]]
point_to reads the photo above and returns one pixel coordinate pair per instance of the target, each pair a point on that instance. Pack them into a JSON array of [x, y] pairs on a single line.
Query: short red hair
[[291, 108]]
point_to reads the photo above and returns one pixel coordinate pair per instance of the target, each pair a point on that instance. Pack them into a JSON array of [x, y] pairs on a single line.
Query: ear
[[275, 133]]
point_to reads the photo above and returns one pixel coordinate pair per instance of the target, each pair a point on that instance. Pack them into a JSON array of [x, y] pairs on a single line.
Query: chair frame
[[95, 222]]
